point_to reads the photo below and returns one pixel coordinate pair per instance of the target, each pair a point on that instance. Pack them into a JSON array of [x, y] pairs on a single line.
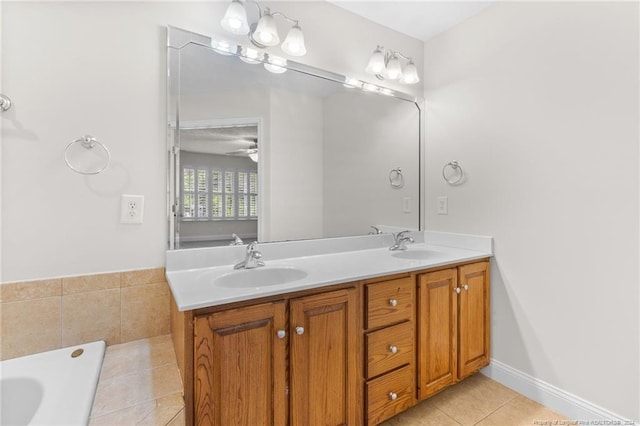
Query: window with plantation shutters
[[217, 194]]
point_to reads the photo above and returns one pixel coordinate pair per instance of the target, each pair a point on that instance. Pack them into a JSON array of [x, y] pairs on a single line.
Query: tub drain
[[77, 353]]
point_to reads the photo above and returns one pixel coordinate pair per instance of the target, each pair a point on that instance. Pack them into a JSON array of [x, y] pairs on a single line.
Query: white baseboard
[[556, 399]]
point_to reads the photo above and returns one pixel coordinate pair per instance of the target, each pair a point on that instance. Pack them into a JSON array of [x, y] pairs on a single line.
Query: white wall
[[295, 166], [364, 139], [539, 104], [99, 67]]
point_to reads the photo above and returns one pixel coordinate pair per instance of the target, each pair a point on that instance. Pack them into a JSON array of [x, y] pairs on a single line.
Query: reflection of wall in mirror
[[365, 137], [291, 183], [216, 232]]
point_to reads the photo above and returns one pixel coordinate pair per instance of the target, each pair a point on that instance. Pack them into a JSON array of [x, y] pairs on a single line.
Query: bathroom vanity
[[364, 335]]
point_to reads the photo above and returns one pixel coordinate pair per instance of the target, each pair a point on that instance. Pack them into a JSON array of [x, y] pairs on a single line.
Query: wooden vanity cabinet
[[240, 366], [389, 318], [353, 354], [284, 362], [453, 325]]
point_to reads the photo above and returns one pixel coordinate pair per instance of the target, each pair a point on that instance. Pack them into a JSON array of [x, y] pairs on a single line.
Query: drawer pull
[[393, 302], [281, 334], [393, 349], [393, 396], [300, 330]]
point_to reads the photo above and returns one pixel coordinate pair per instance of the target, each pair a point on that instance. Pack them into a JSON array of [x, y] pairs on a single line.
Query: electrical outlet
[[443, 205], [131, 208]]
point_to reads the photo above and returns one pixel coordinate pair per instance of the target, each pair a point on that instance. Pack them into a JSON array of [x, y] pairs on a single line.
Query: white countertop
[[193, 286]]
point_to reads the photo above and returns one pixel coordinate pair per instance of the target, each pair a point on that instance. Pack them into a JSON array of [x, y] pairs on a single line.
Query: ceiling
[[419, 19]]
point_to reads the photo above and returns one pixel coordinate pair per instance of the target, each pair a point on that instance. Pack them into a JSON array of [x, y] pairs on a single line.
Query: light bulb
[[410, 74], [394, 68], [376, 62], [235, 19], [293, 43], [266, 33]]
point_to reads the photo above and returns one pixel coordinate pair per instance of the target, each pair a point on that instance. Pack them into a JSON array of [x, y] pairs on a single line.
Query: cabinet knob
[[281, 334], [393, 396], [393, 302], [300, 330], [393, 349], [466, 287], [457, 290]]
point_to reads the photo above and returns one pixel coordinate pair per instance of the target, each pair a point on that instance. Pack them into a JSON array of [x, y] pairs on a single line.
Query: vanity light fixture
[[388, 65], [275, 64], [263, 33]]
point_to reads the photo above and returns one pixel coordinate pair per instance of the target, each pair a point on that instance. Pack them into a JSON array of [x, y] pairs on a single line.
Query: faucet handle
[[237, 241], [251, 247], [375, 231]]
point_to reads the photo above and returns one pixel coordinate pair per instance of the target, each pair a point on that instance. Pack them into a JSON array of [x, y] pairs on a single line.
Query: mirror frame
[[178, 38]]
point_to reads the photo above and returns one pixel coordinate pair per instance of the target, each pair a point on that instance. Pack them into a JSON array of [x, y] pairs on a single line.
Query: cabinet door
[[240, 367], [323, 364], [437, 331], [473, 318]]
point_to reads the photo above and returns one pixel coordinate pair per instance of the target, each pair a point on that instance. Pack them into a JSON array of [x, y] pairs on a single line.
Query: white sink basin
[[260, 277], [415, 254]]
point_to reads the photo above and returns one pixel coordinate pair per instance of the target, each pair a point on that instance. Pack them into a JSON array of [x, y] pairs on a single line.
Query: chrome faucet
[[237, 241], [400, 239], [252, 259], [375, 231]]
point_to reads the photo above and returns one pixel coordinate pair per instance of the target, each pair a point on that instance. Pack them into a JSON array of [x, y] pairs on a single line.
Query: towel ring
[[5, 102], [87, 142], [396, 179], [457, 177]]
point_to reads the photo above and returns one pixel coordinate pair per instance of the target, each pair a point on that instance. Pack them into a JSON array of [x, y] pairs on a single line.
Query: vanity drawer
[[389, 395], [389, 302], [390, 348]]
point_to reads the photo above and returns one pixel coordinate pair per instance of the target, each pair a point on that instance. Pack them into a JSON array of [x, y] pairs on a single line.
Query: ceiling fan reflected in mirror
[[234, 140], [251, 151]]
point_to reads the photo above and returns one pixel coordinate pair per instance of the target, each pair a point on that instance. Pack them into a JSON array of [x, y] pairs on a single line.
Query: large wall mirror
[[274, 151]]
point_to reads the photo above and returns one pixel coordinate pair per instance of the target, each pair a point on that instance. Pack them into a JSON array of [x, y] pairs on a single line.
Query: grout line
[[498, 408]]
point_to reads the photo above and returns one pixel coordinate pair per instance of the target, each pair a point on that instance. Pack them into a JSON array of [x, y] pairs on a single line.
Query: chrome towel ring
[[396, 179], [5, 102], [456, 177], [83, 162]]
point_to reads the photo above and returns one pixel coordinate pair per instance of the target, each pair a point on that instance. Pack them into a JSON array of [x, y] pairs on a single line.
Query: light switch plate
[[443, 205]]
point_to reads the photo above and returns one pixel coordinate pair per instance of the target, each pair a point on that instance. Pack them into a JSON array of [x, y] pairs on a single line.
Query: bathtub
[[50, 388]]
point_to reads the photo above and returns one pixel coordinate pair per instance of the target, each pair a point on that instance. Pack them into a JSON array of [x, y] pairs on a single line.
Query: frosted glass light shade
[[275, 64], [266, 32], [410, 74], [293, 43], [394, 69], [376, 63], [235, 19]]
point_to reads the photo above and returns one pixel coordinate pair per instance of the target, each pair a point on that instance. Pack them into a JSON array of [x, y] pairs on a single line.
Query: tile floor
[[480, 401], [140, 385]]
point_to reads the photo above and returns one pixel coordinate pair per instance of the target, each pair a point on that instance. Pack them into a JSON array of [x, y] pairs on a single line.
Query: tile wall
[[119, 307]]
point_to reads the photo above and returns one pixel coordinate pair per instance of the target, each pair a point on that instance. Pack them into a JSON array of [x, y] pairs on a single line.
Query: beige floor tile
[[138, 355], [124, 417], [473, 399], [129, 390], [423, 414], [178, 420], [521, 411]]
